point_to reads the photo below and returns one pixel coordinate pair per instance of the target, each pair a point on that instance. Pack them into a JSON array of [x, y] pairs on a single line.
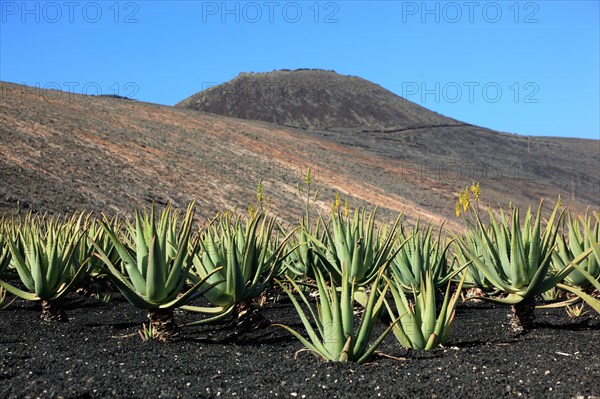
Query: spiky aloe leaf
[[130, 264], [316, 344], [17, 251], [590, 300], [28, 296], [5, 256], [370, 315]]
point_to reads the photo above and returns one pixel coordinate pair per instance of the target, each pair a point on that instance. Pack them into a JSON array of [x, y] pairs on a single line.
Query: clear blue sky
[[529, 67]]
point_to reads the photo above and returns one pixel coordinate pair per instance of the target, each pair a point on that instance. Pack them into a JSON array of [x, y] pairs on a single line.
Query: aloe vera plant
[[239, 259], [518, 260], [421, 255], [156, 260], [338, 336], [420, 325], [41, 250], [586, 275], [88, 283], [353, 249], [574, 244], [474, 280]]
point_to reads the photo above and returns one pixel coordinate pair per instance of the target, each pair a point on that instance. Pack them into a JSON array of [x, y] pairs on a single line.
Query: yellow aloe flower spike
[[259, 192], [476, 190], [346, 208], [308, 177], [466, 199]]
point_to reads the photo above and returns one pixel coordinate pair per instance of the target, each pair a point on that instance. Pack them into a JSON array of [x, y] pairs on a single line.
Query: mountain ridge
[[312, 99]]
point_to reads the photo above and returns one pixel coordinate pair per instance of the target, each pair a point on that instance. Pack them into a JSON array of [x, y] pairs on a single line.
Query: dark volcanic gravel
[[99, 354]]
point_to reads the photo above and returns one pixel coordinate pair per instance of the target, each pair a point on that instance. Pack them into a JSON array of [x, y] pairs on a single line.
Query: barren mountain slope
[[60, 152], [432, 149]]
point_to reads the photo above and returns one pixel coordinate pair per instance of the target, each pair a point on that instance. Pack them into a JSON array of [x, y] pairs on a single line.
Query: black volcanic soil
[[98, 355]]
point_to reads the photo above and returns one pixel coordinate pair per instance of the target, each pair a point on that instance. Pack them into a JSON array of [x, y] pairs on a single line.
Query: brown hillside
[[60, 152]]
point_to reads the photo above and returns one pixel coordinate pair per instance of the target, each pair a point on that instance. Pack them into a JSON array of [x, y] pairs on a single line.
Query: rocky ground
[[98, 354]]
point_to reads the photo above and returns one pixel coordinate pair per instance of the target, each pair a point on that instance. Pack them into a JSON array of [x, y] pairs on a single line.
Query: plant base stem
[[248, 317], [523, 316], [53, 311], [163, 322]]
